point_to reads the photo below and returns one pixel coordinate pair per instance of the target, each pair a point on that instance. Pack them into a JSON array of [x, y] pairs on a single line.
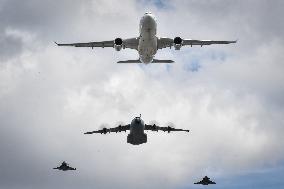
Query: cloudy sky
[[229, 96]]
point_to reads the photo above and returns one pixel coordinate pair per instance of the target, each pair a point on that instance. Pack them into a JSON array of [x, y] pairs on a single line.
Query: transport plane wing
[[115, 129], [154, 127]]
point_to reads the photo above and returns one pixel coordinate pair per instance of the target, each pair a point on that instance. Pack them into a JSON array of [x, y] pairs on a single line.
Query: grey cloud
[[10, 46]]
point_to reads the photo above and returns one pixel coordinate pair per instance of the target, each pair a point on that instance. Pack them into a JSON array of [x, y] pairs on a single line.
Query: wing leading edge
[[131, 43], [164, 42], [158, 128], [119, 128]]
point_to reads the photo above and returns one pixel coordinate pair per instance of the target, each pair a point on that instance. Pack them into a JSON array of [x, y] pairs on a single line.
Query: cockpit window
[[137, 120]]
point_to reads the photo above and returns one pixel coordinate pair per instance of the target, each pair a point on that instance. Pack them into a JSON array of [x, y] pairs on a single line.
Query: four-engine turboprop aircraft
[[137, 128], [147, 43]]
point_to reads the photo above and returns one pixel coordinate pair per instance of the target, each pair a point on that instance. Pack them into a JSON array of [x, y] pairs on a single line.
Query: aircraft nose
[[148, 17]]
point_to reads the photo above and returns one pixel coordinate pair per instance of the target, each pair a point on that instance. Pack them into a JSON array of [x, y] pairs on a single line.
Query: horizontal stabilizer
[[129, 61], [162, 61], [154, 61]]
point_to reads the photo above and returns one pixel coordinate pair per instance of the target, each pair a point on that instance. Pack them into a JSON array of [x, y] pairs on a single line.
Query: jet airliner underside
[[147, 43]]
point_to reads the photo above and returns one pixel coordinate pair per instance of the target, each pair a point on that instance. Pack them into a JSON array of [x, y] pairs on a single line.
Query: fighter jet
[[65, 167], [205, 181], [137, 128], [147, 43]]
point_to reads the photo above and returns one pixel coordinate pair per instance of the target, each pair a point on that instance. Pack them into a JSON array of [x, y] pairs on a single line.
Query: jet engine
[[118, 44], [177, 43]]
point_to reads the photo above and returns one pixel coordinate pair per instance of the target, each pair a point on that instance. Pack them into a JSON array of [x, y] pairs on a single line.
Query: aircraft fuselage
[[137, 135], [147, 47]]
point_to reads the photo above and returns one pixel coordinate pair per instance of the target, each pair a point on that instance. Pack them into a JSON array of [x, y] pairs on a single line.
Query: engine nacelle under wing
[[177, 43], [118, 44]]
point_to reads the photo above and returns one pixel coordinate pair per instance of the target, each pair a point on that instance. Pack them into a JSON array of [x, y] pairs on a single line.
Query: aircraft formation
[[147, 44]]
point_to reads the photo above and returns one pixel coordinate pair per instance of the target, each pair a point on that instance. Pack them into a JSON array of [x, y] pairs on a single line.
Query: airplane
[[137, 128], [205, 181], [65, 167], [147, 44]]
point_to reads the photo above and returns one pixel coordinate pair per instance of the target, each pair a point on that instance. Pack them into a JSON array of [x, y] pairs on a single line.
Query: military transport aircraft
[[65, 167], [147, 43], [137, 128], [205, 181]]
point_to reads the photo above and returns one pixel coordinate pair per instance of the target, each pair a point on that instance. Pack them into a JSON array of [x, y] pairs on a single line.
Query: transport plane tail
[[154, 61]]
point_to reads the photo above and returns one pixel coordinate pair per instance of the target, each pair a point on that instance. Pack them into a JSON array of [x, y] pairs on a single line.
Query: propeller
[[119, 126], [155, 124], [103, 127], [171, 126]]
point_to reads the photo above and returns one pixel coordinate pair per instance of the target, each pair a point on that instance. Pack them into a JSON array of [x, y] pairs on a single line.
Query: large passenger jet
[[137, 128], [147, 43]]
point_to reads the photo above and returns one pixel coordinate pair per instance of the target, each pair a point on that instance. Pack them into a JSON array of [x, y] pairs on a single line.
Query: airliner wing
[[204, 42], [169, 42], [131, 43], [115, 129], [89, 44], [158, 128]]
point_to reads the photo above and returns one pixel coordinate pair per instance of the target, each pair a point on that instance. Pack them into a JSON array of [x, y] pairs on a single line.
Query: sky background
[[229, 96]]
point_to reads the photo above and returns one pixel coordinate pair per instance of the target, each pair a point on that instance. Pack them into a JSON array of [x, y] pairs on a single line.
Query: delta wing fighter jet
[[147, 43], [65, 167], [205, 181], [137, 128]]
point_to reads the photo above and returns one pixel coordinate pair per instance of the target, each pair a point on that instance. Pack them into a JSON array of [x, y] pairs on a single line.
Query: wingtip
[[56, 43]]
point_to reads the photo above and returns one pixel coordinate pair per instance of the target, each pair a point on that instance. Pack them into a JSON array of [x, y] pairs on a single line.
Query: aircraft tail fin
[[129, 61], [162, 61]]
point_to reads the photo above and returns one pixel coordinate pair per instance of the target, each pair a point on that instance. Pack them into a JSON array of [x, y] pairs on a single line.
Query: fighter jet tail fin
[[129, 61], [162, 61]]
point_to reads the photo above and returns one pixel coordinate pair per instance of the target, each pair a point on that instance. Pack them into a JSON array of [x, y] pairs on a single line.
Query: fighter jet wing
[[131, 43], [71, 168], [115, 129], [154, 127], [56, 168], [211, 182], [169, 42], [200, 182]]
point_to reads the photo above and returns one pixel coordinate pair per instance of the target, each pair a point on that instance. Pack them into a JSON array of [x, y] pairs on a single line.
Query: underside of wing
[[198, 182], [108, 130], [89, 44], [118, 44], [178, 42], [192, 42], [154, 127]]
